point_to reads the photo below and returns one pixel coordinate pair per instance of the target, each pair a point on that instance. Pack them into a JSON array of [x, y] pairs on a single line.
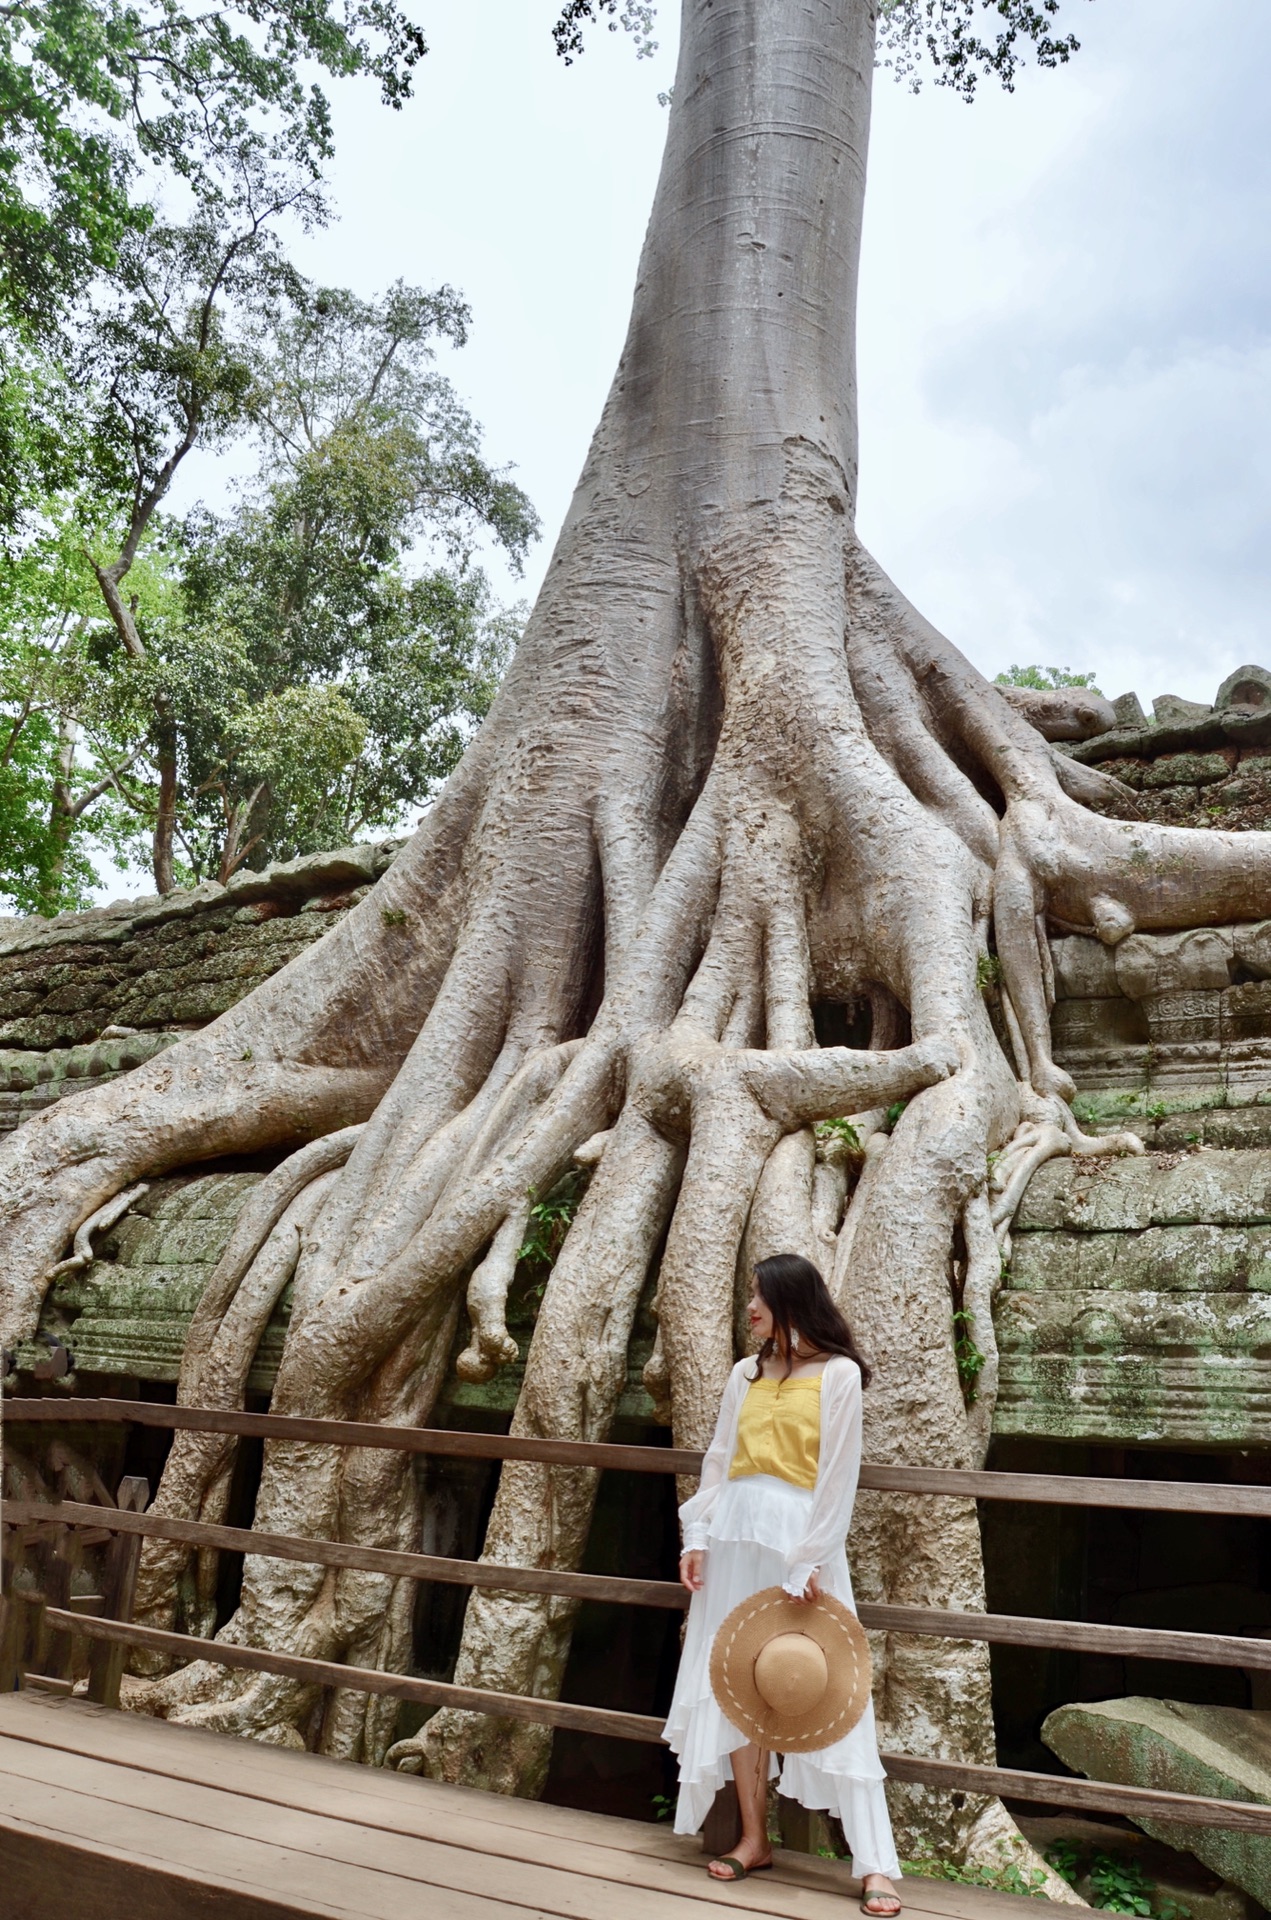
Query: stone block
[[1045, 1203], [1129, 1195], [1169, 710], [1109, 1196], [1220, 1752], [1247, 1072], [1129, 710], [197, 1240], [1158, 963], [1135, 1368], [1084, 968], [1248, 689], [1193, 1074], [312, 873], [1246, 1011], [1252, 942], [1129, 772], [211, 1197], [179, 905], [12, 1005], [1219, 1189], [1061, 1262], [1185, 1019], [1083, 1026], [42, 1031], [1222, 1127], [1191, 1259], [1185, 770]]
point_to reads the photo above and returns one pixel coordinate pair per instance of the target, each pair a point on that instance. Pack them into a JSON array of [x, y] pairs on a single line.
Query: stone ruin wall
[[1137, 1303]]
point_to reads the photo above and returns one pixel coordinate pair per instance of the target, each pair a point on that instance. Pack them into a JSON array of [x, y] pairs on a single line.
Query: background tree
[[103, 104], [1044, 679], [122, 321], [48, 602], [348, 572]]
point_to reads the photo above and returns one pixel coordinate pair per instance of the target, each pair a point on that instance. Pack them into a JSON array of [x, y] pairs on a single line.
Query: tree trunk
[[61, 816], [731, 774], [165, 822]]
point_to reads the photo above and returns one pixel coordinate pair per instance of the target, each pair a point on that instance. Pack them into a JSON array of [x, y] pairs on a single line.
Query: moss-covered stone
[[1185, 770], [173, 962], [1219, 1752]]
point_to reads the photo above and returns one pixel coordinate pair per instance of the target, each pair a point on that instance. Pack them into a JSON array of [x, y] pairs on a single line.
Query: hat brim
[[737, 1645]]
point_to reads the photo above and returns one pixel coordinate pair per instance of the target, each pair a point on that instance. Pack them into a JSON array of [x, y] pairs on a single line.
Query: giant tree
[[735, 790]]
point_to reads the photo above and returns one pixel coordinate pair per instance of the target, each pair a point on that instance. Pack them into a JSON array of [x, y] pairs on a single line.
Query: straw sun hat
[[792, 1675]]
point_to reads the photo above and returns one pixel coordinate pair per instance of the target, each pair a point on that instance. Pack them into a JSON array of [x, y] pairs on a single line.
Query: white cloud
[[1066, 356]]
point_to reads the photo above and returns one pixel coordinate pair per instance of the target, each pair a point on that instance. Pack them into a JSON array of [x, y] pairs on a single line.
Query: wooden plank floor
[[108, 1816]]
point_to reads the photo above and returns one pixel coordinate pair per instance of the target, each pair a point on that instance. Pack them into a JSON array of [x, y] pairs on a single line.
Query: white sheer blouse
[[831, 1500]]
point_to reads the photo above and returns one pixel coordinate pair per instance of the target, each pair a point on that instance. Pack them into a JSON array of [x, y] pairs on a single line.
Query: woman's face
[[758, 1314]]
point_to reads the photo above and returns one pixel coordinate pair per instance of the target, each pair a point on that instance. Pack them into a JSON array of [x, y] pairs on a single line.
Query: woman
[[773, 1509]]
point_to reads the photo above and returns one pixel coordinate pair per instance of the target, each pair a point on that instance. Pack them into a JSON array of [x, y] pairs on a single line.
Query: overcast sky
[[1065, 358]]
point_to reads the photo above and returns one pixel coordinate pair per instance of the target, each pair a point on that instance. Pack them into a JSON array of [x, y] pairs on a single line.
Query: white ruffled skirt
[[756, 1522]]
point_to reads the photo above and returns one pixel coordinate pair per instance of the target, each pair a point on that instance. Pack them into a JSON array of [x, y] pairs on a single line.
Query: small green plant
[[843, 1130], [549, 1222], [1065, 1857], [988, 972], [1008, 1878], [1157, 1111], [247, 1054], [894, 1112], [392, 916], [1117, 1882], [970, 1360], [663, 1806]]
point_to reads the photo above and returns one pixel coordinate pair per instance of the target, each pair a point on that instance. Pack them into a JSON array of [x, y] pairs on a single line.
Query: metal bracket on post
[[106, 1659]]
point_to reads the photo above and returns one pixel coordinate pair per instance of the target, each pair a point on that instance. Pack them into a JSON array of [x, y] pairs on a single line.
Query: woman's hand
[[813, 1589], [692, 1568]]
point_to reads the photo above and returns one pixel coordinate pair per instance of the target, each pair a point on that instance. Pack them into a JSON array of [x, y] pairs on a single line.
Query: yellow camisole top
[[779, 1430]]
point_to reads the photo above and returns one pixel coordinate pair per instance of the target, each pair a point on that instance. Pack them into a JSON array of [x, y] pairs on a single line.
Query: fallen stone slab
[[1220, 1753]]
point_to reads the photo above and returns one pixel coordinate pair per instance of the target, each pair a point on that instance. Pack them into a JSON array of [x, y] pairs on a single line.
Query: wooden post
[[106, 1660], [58, 1557], [21, 1630], [801, 1830], [721, 1829]]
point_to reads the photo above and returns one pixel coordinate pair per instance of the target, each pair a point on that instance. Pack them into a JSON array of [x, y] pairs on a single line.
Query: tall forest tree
[[735, 791], [295, 673], [150, 152]]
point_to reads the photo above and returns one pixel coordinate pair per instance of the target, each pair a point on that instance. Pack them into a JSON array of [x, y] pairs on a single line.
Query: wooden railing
[[47, 1625]]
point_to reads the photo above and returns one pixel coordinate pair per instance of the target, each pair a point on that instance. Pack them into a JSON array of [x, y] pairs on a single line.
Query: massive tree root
[[732, 778]]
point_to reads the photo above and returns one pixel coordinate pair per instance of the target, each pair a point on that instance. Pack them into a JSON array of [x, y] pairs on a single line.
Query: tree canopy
[[941, 35], [302, 668], [102, 101]]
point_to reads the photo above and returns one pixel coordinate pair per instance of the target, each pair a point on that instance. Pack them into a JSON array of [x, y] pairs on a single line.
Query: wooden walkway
[[107, 1816]]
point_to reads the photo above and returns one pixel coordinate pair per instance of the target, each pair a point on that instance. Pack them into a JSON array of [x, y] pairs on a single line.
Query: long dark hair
[[799, 1301]]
